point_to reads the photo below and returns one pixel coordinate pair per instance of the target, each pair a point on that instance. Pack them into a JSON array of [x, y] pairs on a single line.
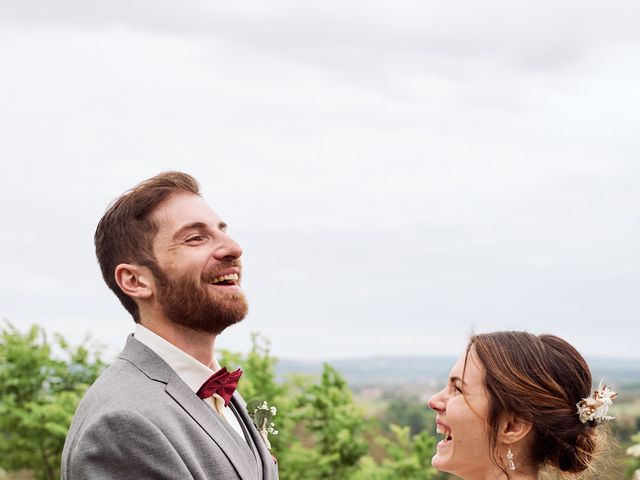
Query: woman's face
[[462, 419]]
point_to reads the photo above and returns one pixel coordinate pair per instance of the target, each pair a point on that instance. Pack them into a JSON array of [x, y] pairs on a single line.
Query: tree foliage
[[39, 393], [323, 433], [320, 427], [333, 425], [408, 457], [409, 411], [634, 452]]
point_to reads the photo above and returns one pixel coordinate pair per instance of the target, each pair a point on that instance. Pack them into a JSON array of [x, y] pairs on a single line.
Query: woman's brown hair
[[540, 379]]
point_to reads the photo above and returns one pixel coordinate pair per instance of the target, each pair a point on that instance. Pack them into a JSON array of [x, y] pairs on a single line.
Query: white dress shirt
[[190, 370]]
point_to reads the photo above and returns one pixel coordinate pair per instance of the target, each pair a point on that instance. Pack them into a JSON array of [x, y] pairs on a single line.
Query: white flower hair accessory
[[596, 405]]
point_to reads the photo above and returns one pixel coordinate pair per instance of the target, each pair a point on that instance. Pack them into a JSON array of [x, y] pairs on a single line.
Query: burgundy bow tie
[[223, 382]]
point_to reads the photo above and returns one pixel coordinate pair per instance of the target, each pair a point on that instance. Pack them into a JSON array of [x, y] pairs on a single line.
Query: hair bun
[[574, 455]]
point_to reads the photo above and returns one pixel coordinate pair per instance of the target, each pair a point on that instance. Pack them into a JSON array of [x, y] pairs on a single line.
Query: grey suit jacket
[[140, 420]]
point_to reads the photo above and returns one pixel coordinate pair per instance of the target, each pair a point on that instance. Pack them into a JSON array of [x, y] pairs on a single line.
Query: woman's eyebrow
[[456, 379]]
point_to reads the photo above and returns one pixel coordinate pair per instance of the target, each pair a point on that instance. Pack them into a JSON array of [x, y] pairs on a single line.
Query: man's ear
[[134, 280], [513, 429]]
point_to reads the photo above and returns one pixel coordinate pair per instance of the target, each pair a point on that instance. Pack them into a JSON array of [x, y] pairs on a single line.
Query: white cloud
[[395, 176]]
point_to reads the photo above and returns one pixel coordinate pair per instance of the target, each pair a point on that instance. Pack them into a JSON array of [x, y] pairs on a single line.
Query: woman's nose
[[437, 403]]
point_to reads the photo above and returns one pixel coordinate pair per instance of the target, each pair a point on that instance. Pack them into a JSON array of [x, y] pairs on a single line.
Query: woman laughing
[[516, 403]]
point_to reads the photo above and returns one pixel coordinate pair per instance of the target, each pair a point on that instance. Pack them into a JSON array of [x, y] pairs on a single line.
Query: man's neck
[[195, 343]]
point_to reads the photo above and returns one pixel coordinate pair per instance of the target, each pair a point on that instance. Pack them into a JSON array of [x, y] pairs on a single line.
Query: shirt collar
[[190, 370]]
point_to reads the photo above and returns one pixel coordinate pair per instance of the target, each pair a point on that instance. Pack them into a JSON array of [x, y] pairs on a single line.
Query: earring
[[511, 465]]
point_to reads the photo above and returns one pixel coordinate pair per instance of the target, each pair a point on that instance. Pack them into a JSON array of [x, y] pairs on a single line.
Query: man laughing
[[166, 409]]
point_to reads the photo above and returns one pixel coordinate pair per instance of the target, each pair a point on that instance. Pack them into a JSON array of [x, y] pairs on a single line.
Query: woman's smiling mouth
[[445, 431]]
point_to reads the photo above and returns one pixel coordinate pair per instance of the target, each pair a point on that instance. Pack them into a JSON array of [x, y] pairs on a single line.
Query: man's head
[[160, 243]]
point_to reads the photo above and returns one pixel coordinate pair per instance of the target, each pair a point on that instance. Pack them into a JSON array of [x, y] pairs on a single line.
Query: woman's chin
[[443, 456], [439, 463]]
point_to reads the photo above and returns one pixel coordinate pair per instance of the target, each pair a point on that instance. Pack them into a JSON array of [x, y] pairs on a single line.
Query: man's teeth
[[233, 277]]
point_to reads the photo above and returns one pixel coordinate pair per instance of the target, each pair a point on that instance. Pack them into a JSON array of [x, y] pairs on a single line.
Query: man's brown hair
[[126, 231]]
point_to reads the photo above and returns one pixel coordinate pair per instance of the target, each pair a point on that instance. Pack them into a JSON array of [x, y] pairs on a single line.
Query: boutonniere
[[262, 415]]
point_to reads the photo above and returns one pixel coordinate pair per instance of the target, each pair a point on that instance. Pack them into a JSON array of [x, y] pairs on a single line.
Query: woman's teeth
[[446, 433]]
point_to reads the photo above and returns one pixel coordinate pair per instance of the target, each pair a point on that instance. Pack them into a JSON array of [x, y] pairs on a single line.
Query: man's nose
[[227, 248]]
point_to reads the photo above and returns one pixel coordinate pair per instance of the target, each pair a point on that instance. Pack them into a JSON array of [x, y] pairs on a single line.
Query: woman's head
[[462, 413], [522, 391]]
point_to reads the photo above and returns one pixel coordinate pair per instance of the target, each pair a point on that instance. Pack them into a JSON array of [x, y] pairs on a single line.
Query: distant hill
[[433, 371], [378, 371], [616, 371]]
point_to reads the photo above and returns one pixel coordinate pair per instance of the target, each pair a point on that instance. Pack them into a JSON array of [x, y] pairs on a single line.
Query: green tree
[[321, 429], [259, 377], [408, 457], [410, 412], [634, 452], [323, 435], [38, 397], [333, 426]]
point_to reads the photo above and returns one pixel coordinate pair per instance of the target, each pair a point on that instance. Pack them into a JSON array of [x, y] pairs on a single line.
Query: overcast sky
[[398, 173]]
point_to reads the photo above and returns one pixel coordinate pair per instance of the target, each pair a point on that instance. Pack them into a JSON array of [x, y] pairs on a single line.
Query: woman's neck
[[498, 474]]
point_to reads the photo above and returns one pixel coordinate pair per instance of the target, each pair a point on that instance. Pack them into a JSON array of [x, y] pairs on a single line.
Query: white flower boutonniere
[[262, 415]]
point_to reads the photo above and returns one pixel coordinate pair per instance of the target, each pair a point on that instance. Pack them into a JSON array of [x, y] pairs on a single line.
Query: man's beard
[[189, 303]]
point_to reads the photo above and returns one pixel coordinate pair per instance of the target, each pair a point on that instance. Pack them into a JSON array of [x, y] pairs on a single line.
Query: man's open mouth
[[228, 279]]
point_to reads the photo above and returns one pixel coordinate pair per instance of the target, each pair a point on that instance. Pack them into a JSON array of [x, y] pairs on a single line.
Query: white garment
[[190, 370]]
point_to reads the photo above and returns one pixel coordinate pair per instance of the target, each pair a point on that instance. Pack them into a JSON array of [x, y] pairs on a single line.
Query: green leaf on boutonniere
[[252, 406], [263, 418], [262, 415]]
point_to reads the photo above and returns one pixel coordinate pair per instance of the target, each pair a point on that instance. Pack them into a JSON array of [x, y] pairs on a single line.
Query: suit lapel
[[265, 458], [248, 437], [237, 451]]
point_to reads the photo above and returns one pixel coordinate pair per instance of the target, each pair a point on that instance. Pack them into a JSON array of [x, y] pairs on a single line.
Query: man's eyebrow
[[197, 226]]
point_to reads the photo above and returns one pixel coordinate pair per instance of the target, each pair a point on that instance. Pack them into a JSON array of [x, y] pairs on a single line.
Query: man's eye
[[195, 238]]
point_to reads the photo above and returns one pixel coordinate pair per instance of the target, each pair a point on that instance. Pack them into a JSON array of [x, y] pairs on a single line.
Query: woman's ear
[[513, 429], [134, 280]]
